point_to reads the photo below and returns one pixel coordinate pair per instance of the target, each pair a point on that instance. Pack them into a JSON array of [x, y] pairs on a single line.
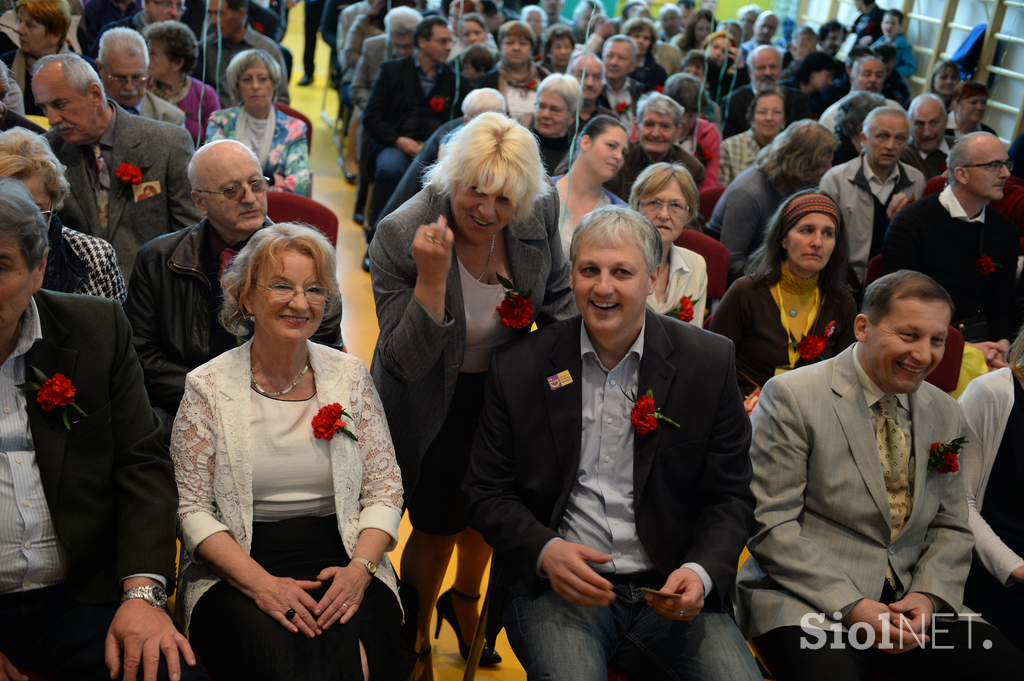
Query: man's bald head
[[227, 166], [928, 116]]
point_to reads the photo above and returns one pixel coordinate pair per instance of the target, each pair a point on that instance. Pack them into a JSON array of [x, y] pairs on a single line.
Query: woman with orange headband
[[794, 306]]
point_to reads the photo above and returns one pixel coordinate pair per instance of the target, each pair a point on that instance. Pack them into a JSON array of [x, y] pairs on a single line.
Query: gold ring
[[432, 239]]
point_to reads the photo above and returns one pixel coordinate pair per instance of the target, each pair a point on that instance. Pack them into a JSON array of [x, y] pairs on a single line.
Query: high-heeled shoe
[[446, 611]]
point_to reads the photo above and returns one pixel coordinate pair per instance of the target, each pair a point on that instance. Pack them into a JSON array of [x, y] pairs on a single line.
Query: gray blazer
[[164, 149], [416, 362], [367, 68], [156, 109], [821, 525]]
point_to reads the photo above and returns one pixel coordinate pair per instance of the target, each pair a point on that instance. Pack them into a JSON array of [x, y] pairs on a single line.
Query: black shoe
[[350, 178], [446, 612], [358, 218], [306, 80], [366, 261]]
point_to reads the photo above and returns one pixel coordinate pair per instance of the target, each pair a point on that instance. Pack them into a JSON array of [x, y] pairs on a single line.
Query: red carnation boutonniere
[[985, 267], [437, 104], [944, 456], [327, 423], [130, 175], [257, 26], [872, 27], [532, 85], [54, 392], [516, 311], [811, 346], [622, 107], [702, 155], [683, 311], [659, 89], [645, 416]]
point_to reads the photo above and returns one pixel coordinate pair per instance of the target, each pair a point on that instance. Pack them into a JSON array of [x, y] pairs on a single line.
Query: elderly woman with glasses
[[666, 195], [289, 492], [76, 262], [278, 140], [43, 27], [465, 266]]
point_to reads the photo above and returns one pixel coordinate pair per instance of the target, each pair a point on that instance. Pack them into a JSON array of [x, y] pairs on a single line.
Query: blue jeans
[[391, 166], [554, 639]]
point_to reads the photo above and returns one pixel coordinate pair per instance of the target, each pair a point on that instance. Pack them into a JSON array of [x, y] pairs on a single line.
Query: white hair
[[401, 21], [920, 99], [669, 8], [77, 72], [566, 87], [483, 99], [125, 40]]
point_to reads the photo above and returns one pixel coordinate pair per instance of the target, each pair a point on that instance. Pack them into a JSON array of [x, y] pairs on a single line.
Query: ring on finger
[[345, 605], [682, 612], [432, 239], [290, 614]]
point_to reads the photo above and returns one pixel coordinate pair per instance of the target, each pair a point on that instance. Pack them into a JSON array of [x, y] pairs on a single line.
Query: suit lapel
[[656, 374], [525, 258], [922, 424], [124, 151], [78, 177], [565, 408], [49, 436], [855, 418]]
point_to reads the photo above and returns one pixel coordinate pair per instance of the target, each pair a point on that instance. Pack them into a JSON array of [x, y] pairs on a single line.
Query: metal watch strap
[[152, 594]]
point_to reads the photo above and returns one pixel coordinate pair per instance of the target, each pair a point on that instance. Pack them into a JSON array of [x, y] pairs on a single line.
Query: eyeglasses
[[180, 6], [285, 293], [47, 213], [994, 165], [653, 207], [256, 186], [124, 80]]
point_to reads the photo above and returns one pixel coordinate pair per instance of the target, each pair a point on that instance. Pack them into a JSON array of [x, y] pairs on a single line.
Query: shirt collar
[[872, 393], [676, 262], [952, 204], [31, 329], [869, 173], [106, 140], [419, 69], [587, 347]]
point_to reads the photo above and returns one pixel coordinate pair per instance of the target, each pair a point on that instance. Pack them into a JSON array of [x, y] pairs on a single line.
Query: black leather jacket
[[170, 301]]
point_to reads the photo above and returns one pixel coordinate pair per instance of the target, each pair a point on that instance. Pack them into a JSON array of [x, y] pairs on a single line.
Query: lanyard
[[794, 353]]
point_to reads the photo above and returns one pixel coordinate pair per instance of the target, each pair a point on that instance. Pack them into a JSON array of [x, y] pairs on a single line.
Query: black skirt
[[236, 640], [437, 505]]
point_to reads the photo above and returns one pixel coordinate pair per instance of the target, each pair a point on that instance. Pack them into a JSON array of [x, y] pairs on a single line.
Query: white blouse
[[687, 276], [484, 330]]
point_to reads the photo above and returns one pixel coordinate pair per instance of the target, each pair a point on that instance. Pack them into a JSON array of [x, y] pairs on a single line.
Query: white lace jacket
[[211, 448]]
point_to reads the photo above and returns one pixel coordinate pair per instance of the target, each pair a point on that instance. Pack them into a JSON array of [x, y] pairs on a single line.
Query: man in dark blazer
[[765, 70], [410, 99], [586, 502], [87, 492], [81, 117]]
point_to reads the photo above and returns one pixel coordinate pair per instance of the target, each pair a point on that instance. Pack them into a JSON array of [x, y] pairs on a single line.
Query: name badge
[[559, 380]]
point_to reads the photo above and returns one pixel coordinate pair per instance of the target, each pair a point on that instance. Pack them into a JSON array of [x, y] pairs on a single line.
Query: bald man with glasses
[[972, 251], [175, 296]]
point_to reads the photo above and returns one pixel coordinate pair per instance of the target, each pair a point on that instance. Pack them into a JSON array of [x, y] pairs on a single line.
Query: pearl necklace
[[287, 390]]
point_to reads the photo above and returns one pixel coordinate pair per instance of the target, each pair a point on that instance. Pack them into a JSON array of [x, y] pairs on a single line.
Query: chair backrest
[[874, 270], [946, 376], [716, 256], [708, 200], [288, 111], [288, 207]]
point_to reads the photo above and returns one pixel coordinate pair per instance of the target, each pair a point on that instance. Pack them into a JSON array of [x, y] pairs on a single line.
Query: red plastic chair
[[288, 111], [288, 207], [874, 270], [715, 255], [947, 374], [708, 200]]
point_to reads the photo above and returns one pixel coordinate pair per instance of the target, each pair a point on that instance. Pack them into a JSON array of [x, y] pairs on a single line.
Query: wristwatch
[[371, 567], [152, 594]]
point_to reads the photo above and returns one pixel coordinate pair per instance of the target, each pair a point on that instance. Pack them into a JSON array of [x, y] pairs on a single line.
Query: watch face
[[159, 597]]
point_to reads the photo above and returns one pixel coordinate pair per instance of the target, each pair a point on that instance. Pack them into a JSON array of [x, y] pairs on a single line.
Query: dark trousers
[[48, 631], [962, 654], [391, 166], [314, 13]]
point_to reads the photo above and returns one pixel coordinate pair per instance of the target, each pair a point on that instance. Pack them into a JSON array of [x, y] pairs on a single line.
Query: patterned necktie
[[895, 458], [223, 260], [102, 185]]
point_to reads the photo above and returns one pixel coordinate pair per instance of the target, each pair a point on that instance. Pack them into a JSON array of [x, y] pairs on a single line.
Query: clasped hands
[[278, 595], [897, 627], [567, 567]]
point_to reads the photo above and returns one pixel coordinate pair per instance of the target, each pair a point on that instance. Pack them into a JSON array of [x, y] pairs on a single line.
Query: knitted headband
[[807, 204]]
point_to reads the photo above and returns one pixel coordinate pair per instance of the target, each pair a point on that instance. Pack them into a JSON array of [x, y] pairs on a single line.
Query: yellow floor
[[359, 322]]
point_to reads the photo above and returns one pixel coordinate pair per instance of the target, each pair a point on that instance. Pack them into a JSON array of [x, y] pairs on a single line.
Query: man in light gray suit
[[857, 541], [123, 63], [95, 138], [400, 24]]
